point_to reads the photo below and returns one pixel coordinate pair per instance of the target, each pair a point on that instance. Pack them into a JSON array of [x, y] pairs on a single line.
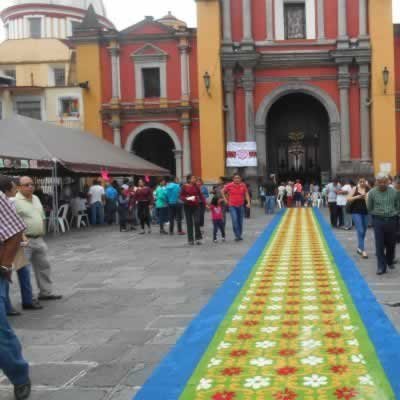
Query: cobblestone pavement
[[127, 299]]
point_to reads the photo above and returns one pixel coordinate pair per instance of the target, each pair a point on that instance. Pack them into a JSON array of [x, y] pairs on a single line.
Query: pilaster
[[344, 86], [270, 20], [321, 19], [185, 79], [364, 82], [343, 38], [229, 86], [178, 163], [247, 42], [248, 82], [227, 25]]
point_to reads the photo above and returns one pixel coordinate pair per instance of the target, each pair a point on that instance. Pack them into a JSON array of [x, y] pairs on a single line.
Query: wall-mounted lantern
[[207, 82], [385, 75]]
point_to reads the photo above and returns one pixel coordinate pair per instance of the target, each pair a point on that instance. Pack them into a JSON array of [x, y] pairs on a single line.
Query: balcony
[[69, 123]]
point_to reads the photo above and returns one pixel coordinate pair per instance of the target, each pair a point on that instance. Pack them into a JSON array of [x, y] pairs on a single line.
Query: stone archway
[[290, 88], [137, 134]]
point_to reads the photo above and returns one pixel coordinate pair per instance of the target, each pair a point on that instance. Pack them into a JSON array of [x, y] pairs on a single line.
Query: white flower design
[[307, 328], [311, 317], [278, 291], [315, 381], [237, 318], [341, 307], [205, 384], [308, 290], [231, 330], [311, 344], [242, 307], [214, 362], [358, 359], [261, 362], [269, 329], [350, 328], [246, 298], [310, 308], [250, 291], [345, 316], [274, 307], [272, 318], [312, 360], [277, 298], [366, 380], [265, 344], [280, 284], [310, 298], [224, 345], [257, 382], [353, 342]]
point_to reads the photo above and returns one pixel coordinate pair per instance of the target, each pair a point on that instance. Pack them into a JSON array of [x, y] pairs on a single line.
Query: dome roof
[[83, 4], [172, 21]]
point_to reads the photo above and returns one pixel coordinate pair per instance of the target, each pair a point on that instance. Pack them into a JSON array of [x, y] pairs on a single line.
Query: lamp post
[[207, 82], [385, 75]]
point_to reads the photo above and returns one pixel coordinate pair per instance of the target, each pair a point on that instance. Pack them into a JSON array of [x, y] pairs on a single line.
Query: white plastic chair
[[280, 202], [62, 217], [79, 215]]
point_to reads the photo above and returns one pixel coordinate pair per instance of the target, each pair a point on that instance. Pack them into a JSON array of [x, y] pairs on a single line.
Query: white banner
[[241, 154]]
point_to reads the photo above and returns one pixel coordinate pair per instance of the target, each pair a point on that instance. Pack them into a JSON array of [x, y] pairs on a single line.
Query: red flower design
[[231, 371], [287, 352], [323, 286], [250, 323], [259, 303], [286, 370], [291, 312], [327, 302], [293, 294], [245, 336], [328, 311], [339, 369], [293, 303], [289, 335], [333, 335], [255, 312], [224, 396], [239, 353], [346, 393], [336, 350], [329, 322], [285, 395], [290, 323], [326, 292], [261, 294]]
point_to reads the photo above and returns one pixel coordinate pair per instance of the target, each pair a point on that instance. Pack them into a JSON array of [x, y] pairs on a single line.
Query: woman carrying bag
[[357, 206]]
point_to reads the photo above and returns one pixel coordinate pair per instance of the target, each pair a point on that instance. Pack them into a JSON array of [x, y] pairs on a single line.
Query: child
[[217, 216]]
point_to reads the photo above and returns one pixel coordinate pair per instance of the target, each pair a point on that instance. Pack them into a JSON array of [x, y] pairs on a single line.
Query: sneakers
[[22, 392], [142, 232], [215, 241], [199, 242]]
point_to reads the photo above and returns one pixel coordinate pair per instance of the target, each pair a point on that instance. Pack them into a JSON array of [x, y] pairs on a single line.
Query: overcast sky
[[126, 12]]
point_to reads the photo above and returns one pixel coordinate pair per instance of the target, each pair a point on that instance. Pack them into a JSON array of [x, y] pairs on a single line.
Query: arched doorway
[[298, 143], [156, 146]]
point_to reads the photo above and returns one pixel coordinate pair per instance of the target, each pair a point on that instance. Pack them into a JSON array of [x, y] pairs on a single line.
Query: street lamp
[[207, 82], [385, 75]]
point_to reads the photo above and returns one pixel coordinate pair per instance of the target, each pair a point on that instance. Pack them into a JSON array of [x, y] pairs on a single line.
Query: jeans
[[11, 361], [110, 210], [333, 214], [143, 209], [192, 215], [175, 214], [202, 214], [361, 224], [237, 216], [24, 278], [123, 217], [385, 241], [162, 213], [218, 225], [340, 217], [97, 213], [270, 204]]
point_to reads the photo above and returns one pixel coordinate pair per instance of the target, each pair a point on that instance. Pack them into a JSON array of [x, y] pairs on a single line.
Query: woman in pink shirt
[[236, 195]]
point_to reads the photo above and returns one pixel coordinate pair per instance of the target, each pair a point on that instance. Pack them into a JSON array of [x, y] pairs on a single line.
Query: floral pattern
[[293, 332]]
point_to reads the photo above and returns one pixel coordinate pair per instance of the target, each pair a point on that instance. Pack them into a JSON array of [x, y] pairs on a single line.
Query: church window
[[35, 28], [151, 82], [295, 20]]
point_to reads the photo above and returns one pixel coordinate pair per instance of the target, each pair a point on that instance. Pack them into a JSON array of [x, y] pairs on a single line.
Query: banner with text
[[241, 154]]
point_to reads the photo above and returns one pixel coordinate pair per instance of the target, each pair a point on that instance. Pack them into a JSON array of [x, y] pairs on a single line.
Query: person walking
[[12, 363], [111, 199], [203, 205], [173, 190], [123, 209], [357, 207], [144, 200], [96, 200], [298, 193], [30, 209], [383, 203], [160, 194], [236, 195], [217, 216], [21, 264], [270, 196], [191, 197], [331, 193]]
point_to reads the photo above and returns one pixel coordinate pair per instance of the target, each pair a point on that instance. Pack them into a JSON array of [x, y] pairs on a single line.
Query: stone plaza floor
[[128, 298]]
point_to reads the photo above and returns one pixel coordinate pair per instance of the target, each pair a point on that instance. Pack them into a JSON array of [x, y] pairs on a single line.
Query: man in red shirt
[[236, 195]]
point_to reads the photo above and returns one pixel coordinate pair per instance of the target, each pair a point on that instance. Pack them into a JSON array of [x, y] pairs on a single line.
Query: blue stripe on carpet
[[381, 331], [170, 377]]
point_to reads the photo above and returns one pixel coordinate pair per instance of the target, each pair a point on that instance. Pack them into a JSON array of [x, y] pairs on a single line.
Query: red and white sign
[[241, 154]]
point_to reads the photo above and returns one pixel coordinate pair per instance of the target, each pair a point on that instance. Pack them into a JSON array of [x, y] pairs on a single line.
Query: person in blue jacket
[[175, 206]]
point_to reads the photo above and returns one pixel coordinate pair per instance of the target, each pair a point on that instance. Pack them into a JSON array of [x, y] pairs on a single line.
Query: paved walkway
[[127, 300]]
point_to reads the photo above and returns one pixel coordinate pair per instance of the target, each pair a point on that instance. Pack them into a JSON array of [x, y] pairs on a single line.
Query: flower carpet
[[292, 331]]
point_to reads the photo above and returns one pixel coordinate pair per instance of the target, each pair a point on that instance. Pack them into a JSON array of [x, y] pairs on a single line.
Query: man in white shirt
[[96, 201], [341, 201]]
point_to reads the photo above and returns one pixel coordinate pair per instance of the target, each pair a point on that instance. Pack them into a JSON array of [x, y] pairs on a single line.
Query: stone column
[[248, 86], [116, 127], [178, 163], [115, 70], [321, 19], [342, 19], [363, 23], [229, 85], [344, 86], [335, 135], [364, 79], [247, 42], [227, 21], [261, 139], [185, 83], [187, 149], [270, 20]]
